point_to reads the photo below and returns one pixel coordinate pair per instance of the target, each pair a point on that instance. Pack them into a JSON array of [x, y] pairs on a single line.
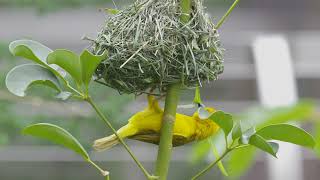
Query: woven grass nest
[[150, 48]]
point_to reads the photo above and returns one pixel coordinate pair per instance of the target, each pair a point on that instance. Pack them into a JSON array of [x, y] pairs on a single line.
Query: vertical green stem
[[169, 116], [166, 133], [107, 177]]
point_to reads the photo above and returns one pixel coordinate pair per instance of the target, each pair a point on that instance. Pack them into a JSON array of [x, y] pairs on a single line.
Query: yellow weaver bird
[[145, 126]]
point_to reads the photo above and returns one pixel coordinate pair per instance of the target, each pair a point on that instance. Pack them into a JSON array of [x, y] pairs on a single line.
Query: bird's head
[[205, 125]]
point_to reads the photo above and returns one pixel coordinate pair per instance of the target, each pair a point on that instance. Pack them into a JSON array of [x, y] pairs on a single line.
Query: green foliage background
[[13, 119]]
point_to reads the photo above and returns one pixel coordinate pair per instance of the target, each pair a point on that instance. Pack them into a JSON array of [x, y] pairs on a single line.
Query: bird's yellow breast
[[151, 121], [186, 126]]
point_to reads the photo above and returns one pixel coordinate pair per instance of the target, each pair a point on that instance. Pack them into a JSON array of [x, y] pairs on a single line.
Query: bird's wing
[[154, 138]]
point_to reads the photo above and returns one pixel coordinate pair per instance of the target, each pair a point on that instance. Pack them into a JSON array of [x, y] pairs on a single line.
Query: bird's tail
[[112, 140]]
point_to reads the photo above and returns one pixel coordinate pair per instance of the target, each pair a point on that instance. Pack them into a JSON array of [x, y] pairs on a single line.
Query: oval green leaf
[[35, 52], [67, 60], [224, 120], [287, 133], [20, 78], [262, 144], [89, 64], [57, 135]]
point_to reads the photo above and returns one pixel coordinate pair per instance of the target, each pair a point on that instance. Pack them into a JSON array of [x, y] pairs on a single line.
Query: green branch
[[166, 133], [224, 17], [101, 115], [211, 165]]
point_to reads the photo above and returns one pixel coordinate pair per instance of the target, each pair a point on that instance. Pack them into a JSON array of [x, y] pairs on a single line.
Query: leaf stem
[[101, 115], [224, 17], [166, 132], [103, 172], [211, 165]]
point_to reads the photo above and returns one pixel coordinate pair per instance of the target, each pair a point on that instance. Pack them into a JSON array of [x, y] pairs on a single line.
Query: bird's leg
[[153, 103]]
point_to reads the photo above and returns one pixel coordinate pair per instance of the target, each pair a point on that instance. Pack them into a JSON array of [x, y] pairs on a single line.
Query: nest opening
[[150, 48]]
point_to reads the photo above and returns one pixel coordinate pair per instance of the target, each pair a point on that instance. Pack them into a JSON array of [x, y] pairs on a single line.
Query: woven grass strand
[[149, 48]]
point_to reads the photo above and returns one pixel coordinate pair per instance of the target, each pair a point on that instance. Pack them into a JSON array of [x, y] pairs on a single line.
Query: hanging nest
[[150, 48]]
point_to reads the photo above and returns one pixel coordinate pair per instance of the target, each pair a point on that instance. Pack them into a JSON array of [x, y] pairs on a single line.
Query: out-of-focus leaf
[[57, 135], [287, 133], [262, 144], [200, 151], [20, 78], [89, 64], [35, 52], [240, 160], [317, 139], [64, 95], [68, 61], [220, 164], [247, 135], [236, 131], [4, 139], [224, 120], [261, 117]]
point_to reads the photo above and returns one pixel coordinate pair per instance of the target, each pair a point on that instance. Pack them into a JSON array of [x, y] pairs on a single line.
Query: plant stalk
[[166, 133], [169, 116], [224, 17], [101, 115]]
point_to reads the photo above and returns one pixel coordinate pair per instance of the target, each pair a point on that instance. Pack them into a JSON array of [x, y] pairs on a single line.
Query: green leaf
[[245, 137], [57, 135], [236, 131], [287, 133], [240, 160], [262, 144], [31, 50], [20, 78], [35, 52], [68, 61], [89, 64], [275, 146], [261, 117], [223, 120]]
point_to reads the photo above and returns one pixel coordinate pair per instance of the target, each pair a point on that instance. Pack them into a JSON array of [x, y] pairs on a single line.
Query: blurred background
[[63, 23]]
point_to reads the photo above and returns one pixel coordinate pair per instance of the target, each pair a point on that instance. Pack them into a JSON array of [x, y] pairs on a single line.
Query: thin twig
[[211, 164], [101, 115], [224, 17]]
